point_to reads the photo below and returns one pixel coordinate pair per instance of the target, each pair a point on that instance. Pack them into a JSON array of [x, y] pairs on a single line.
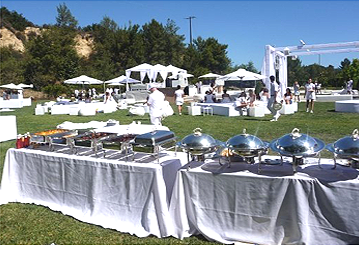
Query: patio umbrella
[[243, 75], [22, 85], [183, 75], [83, 79], [10, 86], [210, 75], [121, 79]]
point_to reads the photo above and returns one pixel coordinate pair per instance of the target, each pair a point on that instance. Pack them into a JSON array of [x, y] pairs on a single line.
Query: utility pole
[[190, 28]]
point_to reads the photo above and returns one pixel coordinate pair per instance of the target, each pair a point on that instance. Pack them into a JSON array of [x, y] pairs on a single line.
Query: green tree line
[[51, 58]]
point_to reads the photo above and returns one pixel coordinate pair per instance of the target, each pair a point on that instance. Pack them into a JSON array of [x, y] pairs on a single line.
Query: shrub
[[55, 90]]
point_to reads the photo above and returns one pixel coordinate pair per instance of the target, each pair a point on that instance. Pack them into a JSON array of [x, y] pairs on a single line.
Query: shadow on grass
[[255, 119]]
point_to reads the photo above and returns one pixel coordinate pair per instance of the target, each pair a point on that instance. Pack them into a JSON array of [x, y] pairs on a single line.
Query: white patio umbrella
[[83, 79], [183, 75], [210, 75], [22, 85], [243, 75], [122, 79], [10, 86]]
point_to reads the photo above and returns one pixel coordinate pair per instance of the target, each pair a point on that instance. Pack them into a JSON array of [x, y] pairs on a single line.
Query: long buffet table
[[127, 196], [313, 206], [180, 199]]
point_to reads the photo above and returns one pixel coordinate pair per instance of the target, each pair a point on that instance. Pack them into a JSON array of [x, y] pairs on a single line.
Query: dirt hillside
[[84, 43]]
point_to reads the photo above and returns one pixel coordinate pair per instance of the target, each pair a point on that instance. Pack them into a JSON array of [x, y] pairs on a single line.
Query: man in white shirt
[[274, 89], [156, 104]]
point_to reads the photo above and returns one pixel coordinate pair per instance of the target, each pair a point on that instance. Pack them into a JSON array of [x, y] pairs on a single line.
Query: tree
[[11, 66], [64, 17], [206, 56], [51, 57], [352, 72], [13, 20]]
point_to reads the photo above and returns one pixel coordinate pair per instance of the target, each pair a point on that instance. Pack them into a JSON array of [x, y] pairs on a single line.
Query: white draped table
[[130, 197], [314, 206]]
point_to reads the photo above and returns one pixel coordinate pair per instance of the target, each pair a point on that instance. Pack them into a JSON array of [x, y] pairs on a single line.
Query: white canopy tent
[[276, 58], [152, 71]]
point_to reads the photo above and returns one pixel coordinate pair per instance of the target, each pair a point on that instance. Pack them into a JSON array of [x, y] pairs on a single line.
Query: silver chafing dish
[[153, 142], [297, 146], [51, 137], [246, 146], [40, 137], [92, 139], [346, 148], [199, 145]]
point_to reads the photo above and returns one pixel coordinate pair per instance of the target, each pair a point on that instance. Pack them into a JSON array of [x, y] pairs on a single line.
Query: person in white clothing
[[349, 86], [156, 103], [274, 89], [310, 95], [179, 99], [296, 88]]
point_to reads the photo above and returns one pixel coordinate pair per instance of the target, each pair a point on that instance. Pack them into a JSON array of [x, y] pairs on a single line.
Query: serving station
[[148, 183]]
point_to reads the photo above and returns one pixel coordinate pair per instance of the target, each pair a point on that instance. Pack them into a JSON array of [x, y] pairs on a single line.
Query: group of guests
[[84, 95], [12, 94], [268, 96]]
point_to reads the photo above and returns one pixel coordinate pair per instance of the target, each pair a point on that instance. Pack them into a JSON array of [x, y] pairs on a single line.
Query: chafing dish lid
[[154, 137], [297, 144], [198, 140], [348, 145], [246, 142]]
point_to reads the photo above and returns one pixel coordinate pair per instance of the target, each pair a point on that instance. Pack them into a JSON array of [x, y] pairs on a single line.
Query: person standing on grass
[[274, 89], [296, 92], [156, 102], [179, 99], [310, 95]]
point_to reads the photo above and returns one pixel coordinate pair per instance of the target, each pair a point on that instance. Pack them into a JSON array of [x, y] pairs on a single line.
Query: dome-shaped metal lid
[[198, 140], [297, 144], [346, 146], [246, 142]]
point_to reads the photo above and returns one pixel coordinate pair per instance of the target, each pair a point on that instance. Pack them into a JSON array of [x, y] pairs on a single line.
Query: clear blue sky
[[245, 26]]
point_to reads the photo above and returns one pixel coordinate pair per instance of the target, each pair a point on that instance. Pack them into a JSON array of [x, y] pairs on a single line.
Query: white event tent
[[152, 71]]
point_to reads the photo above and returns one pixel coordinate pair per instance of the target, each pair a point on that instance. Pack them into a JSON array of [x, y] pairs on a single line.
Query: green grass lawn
[[31, 224]]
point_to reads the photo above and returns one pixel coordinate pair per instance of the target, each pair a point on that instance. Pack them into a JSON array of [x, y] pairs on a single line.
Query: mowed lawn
[[31, 224]]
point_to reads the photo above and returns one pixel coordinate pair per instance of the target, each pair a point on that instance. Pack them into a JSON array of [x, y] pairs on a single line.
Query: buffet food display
[[346, 148], [297, 146], [199, 146], [246, 146]]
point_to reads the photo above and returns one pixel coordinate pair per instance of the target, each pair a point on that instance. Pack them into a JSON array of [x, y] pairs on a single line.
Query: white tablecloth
[[314, 206], [129, 197]]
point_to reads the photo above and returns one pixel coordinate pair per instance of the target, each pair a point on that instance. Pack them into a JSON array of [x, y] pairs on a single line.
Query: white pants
[[156, 120]]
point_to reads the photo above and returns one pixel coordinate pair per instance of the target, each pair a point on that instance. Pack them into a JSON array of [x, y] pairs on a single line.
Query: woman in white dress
[[179, 99], [310, 95]]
